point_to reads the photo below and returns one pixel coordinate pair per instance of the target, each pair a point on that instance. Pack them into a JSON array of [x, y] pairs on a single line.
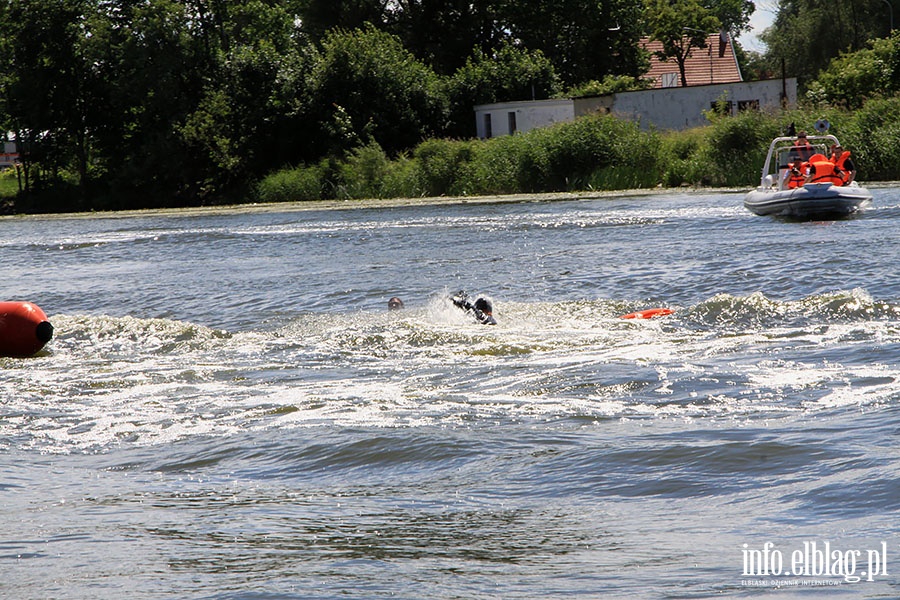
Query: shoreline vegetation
[[594, 153], [588, 157]]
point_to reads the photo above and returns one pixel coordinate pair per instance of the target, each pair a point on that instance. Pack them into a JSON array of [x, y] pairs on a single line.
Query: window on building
[[511, 117], [722, 108], [747, 105], [487, 126]]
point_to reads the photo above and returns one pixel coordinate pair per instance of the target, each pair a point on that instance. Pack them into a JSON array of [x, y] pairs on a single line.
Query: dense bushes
[[595, 152], [873, 137], [737, 148], [592, 153], [853, 78]]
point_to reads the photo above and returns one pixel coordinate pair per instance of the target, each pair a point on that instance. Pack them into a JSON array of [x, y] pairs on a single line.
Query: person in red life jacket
[[796, 174], [822, 170], [843, 166], [802, 147]]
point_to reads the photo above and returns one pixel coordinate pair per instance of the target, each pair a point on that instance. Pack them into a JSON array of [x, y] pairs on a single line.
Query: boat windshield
[[790, 154]]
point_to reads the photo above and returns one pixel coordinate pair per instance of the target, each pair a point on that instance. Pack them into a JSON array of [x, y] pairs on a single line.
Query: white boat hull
[[813, 200]]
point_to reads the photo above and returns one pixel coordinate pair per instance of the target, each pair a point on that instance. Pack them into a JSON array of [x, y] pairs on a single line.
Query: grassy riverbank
[[591, 153], [9, 188]]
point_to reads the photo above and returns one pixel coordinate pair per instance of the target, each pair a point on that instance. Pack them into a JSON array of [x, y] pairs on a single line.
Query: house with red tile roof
[[717, 63]]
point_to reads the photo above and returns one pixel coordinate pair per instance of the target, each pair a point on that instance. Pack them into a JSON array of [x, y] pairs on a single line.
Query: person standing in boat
[[802, 147], [843, 166]]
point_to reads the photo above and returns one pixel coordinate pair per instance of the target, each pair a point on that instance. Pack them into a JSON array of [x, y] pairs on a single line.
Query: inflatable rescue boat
[[24, 329], [823, 200]]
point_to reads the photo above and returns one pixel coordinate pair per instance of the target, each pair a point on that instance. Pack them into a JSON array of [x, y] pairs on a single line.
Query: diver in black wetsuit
[[481, 309]]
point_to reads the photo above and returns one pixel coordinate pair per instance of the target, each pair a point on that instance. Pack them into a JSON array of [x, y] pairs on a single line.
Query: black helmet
[[484, 306]]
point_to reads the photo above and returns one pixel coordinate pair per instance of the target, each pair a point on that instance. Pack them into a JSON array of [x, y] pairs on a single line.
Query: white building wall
[[667, 108], [528, 115], [683, 107]]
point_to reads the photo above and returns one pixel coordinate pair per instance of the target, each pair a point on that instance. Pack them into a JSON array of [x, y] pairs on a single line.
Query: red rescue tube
[[24, 329], [648, 314]]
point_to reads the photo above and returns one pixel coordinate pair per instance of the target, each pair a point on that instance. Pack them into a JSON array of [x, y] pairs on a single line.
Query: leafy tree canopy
[[855, 77], [807, 34], [583, 39], [734, 15], [374, 89], [681, 26], [510, 73]]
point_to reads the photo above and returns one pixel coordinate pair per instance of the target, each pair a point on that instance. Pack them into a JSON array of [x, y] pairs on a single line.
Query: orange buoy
[[648, 314], [24, 329]]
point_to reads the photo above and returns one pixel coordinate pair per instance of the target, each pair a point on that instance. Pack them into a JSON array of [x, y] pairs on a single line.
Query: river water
[[229, 410]]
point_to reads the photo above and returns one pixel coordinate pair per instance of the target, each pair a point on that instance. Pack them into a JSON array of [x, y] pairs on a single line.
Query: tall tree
[[508, 74], [319, 17], [807, 34], [442, 33], [734, 15], [681, 26], [47, 85], [584, 39], [233, 132], [367, 87], [153, 59]]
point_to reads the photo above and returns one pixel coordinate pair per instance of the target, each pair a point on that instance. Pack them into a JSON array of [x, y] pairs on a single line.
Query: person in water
[[395, 303], [482, 309]]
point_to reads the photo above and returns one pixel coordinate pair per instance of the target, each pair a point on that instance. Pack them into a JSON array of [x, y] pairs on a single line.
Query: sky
[[762, 18]]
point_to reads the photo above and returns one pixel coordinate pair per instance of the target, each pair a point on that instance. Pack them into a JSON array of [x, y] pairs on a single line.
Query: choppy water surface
[[228, 410]]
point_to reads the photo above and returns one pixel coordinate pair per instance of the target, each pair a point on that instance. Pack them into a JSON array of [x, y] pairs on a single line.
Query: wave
[[102, 335], [573, 330], [852, 305], [105, 381]]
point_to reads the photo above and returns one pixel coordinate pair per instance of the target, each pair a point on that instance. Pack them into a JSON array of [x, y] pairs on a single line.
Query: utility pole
[[891, 13]]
